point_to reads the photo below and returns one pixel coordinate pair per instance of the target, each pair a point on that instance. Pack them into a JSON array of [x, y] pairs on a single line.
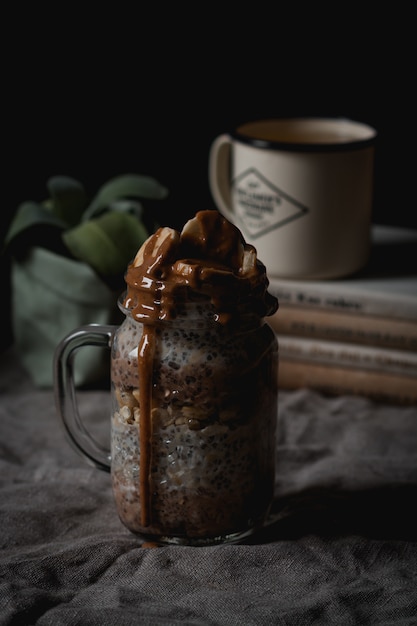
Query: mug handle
[[219, 174], [65, 395]]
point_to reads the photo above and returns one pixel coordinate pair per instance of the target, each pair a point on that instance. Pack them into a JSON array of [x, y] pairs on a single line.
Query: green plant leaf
[[134, 207], [124, 186], [68, 198], [107, 243], [28, 217]]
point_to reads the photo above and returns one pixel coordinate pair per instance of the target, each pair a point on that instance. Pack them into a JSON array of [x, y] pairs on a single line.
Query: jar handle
[[65, 394]]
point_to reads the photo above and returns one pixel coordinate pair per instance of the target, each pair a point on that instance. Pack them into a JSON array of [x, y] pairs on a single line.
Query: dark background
[[93, 96]]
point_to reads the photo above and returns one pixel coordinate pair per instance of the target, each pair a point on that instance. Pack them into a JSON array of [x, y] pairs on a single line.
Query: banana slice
[[249, 260], [209, 236], [159, 248]]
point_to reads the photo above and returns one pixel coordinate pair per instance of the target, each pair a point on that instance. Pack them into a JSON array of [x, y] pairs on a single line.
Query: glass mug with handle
[[193, 388]]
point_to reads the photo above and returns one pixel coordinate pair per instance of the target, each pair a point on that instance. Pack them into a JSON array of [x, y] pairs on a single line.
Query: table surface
[[342, 549]]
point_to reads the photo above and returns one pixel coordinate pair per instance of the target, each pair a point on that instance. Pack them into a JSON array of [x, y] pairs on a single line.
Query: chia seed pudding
[[194, 390]]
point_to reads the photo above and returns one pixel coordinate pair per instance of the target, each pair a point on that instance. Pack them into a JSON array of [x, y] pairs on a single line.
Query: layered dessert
[[194, 387]]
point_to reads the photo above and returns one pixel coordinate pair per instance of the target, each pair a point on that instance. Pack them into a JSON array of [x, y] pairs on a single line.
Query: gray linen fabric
[[342, 548]]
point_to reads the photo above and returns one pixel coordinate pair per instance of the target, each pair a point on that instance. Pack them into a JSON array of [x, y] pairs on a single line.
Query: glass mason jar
[[193, 386]]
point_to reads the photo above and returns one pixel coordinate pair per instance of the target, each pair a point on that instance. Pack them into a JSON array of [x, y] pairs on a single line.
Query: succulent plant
[[104, 233]]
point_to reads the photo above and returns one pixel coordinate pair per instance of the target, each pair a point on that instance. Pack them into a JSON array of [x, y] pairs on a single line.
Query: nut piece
[[126, 398]]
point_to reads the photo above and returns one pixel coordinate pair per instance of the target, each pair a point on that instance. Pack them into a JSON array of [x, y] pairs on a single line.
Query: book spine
[[331, 297], [332, 380], [348, 355], [345, 327]]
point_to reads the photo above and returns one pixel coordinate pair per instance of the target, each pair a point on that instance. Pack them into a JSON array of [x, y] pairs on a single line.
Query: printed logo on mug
[[300, 190]]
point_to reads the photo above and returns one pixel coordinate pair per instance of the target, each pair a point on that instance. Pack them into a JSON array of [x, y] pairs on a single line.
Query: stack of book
[[356, 335]]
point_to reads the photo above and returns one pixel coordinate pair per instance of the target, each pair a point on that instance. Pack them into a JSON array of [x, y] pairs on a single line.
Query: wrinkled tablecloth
[[342, 548]]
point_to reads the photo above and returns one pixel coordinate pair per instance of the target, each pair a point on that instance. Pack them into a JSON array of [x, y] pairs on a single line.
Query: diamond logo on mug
[[261, 206]]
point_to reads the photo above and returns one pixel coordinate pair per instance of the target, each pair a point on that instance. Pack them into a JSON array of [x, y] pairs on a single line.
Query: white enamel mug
[[301, 192]]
